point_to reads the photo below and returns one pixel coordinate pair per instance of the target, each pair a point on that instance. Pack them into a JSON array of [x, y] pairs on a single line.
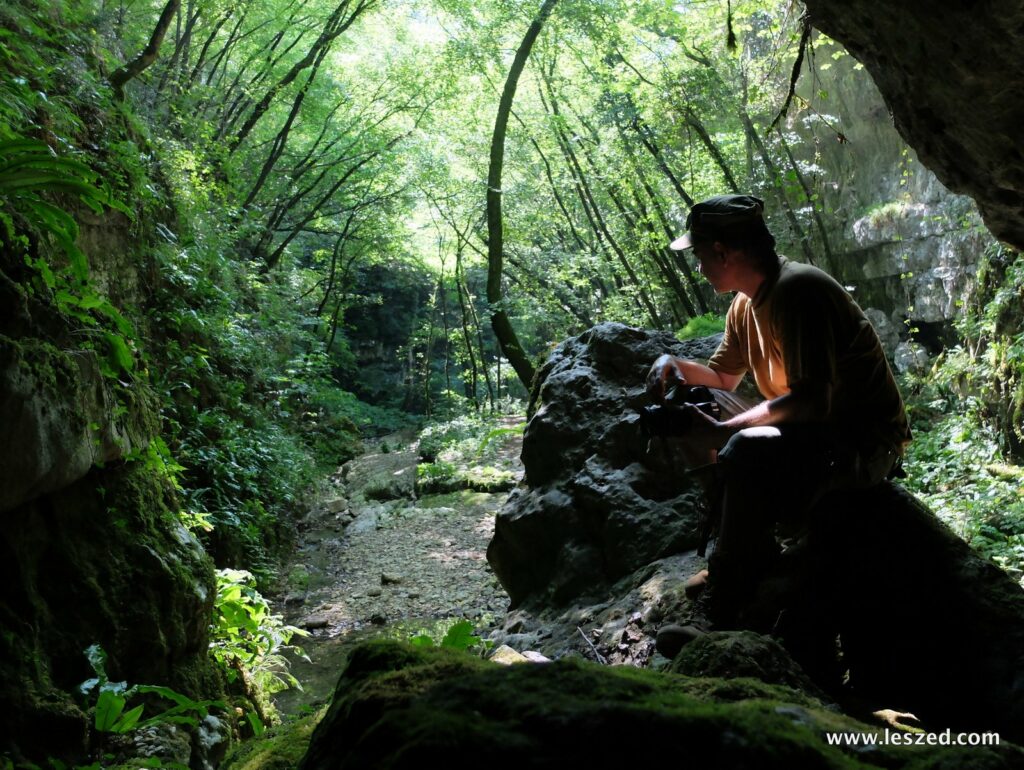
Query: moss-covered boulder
[[280, 748], [104, 560], [398, 706], [61, 415], [732, 654]]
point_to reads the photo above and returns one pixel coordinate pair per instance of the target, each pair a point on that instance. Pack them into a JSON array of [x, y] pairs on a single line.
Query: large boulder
[[878, 598], [62, 416], [595, 505], [399, 706], [102, 561], [923, 623]]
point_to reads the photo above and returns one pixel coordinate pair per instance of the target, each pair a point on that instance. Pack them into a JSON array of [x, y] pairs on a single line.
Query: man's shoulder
[[797, 278]]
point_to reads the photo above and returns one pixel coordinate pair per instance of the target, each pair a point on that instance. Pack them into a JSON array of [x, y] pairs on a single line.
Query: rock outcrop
[[92, 548], [949, 73], [905, 598], [398, 706], [101, 561], [62, 416], [905, 245], [595, 505]]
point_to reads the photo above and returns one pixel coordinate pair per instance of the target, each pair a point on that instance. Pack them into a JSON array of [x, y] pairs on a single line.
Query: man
[[832, 416]]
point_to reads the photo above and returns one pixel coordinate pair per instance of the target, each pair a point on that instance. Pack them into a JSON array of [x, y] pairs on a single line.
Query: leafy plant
[[31, 174], [702, 326], [29, 169], [109, 714], [247, 639], [459, 636]]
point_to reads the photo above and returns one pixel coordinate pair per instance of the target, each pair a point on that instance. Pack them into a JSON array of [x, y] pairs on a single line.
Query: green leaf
[[258, 728], [108, 708], [119, 352], [460, 636], [128, 720], [167, 692]]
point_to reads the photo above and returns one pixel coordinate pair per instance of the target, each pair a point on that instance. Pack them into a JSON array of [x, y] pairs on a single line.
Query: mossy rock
[[399, 706], [280, 748], [102, 561], [732, 654]]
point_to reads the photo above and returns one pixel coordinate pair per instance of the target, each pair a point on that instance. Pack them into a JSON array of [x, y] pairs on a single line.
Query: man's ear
[[720, 249]]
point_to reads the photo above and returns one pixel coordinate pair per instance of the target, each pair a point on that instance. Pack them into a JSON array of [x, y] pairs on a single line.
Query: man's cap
[[723, 212]]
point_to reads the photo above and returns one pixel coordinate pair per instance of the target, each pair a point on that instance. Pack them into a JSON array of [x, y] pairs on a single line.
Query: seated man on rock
[[832, 417]]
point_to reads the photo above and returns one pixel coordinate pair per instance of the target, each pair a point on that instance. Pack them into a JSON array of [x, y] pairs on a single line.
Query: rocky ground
[[377, 559]]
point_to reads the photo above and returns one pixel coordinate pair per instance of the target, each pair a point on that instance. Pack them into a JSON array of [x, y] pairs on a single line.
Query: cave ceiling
[[952, 74]]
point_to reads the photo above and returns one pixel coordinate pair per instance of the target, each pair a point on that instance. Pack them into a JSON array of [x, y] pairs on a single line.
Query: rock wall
[[950, 73], [91, 547], [906, 246]]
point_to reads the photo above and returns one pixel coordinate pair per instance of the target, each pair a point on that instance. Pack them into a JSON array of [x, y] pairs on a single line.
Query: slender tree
[[503, 330]]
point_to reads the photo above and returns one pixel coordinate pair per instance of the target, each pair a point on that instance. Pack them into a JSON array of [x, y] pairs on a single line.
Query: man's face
[[711, 265]]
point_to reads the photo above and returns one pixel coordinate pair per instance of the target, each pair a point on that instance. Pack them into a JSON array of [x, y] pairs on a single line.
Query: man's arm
[[809, 402], [668, 370]]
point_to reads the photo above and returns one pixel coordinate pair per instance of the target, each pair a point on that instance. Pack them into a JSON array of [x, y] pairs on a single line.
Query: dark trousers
[[774, 475]]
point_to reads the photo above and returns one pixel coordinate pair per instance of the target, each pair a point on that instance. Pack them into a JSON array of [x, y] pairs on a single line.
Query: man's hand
[[705, 432], [664, 374]]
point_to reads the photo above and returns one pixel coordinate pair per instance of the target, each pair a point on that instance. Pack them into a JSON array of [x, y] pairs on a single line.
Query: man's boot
[[717, 607], [698, 621]]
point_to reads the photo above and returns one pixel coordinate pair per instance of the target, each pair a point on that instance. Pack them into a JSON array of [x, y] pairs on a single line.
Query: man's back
[[801, 327]]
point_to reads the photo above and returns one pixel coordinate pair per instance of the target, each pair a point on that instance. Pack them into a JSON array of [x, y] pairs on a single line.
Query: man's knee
[[752, 449]]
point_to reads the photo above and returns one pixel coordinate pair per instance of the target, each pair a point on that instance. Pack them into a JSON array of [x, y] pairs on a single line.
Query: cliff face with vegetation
[[907, 247], [948, 76], [92, 547]]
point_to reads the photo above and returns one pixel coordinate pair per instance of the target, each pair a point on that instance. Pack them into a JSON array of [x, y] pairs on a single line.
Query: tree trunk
[[503, 330], [774, 179], [467, 340], [148, 54], [825, 245], [336, 24], [597, 220]]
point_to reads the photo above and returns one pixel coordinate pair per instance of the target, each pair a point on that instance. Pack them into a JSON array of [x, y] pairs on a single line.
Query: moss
[[459, 499], [102, 561], [398, 706], [280, 748], [50, 367], [298, 578]]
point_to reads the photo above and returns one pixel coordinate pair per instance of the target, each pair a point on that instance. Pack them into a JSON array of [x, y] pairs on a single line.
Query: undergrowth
[[956, 466], [469, 452]]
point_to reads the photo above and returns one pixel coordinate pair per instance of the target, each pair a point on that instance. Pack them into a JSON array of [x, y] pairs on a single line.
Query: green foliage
[[112, 698], [955, 467], [246, 635], [966, 416], [458, 636], [30, 174], [470, 452], [702, 326]]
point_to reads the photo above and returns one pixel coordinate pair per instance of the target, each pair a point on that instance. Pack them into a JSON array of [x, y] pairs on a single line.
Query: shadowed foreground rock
[[924, 623], [398, 706]]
